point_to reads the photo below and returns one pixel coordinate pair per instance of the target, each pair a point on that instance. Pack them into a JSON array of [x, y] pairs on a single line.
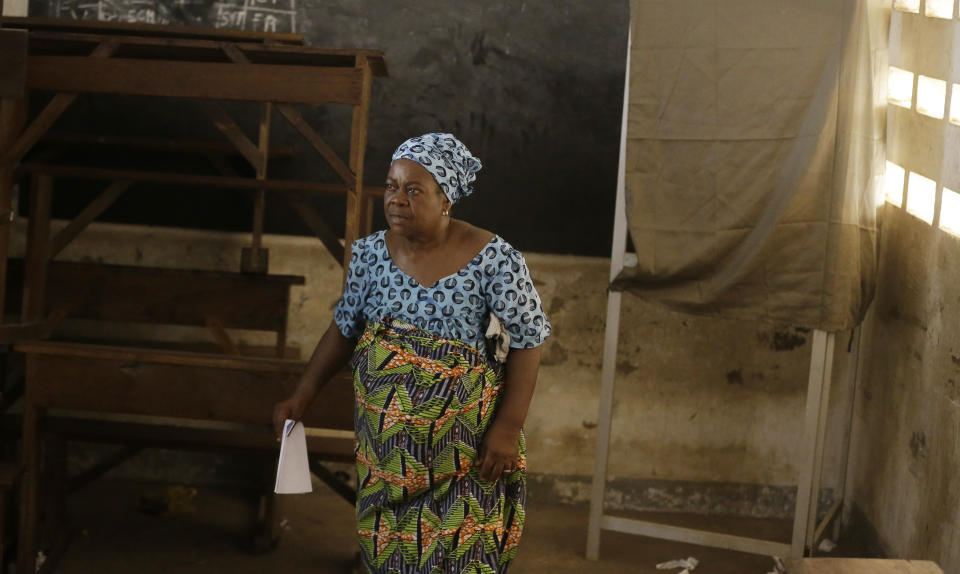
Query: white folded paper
[[293, 469]]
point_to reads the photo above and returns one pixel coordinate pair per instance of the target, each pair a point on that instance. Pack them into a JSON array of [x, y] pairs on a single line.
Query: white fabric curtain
[[755, 156]]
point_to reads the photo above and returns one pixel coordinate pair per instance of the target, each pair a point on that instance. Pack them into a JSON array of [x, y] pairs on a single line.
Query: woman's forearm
[[521, 379], [331, 354]]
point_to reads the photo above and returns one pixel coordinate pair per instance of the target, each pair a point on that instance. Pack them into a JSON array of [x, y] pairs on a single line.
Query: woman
[[439, 409]]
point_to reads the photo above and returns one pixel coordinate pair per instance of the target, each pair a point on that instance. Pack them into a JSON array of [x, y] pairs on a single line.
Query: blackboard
[[252, 15]]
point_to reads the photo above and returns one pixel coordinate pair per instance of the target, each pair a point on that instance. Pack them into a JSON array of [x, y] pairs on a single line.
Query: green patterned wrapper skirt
[[423, 404]]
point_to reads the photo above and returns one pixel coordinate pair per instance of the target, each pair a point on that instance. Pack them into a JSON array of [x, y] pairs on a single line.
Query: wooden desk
[[203, 65], [164, 384]]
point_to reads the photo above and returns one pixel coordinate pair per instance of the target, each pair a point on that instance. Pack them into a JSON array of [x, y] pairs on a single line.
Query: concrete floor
[[206, 534]]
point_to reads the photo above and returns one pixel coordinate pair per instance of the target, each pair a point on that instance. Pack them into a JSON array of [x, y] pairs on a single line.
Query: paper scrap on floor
[[293, 468], [688, 565]]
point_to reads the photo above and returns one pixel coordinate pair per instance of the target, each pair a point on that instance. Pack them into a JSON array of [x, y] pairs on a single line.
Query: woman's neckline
[[389, 257]]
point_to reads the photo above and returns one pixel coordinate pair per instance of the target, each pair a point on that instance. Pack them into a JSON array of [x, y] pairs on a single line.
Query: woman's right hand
[[330, 355], [292, 408]]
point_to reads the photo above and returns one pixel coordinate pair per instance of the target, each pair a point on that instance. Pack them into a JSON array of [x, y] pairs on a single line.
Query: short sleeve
[[348, 313], [511, 296]]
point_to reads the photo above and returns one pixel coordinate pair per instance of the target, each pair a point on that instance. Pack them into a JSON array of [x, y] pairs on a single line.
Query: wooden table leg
[[38, 245], [12, 119], [54, 491], [30, 455]]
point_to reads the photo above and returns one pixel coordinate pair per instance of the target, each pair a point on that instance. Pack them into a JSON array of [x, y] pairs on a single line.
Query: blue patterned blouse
[[457, 306]]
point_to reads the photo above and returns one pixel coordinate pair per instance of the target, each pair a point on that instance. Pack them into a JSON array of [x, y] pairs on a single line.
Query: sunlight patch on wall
[[900, 87], [950, 211], [931, 96], [921, 197], [893, 184], [907, 5], [939, 9], [955, 105]]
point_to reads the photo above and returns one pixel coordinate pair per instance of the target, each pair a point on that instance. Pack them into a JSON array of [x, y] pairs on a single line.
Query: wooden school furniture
[[127, 378]]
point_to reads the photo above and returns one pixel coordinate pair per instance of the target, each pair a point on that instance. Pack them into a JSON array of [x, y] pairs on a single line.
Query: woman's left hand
[[499, 451]]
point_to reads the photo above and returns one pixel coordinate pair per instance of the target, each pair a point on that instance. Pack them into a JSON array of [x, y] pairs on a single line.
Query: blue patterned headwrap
[[447, 159]]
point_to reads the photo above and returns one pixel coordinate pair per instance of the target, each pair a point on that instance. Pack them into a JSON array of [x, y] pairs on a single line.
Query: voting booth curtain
[[755, 156]]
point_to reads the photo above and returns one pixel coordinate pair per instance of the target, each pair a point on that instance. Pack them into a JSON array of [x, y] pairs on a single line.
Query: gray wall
[[533, 88]]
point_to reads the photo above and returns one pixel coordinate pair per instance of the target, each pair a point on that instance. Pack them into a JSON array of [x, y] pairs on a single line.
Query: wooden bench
[[142, 397], [212, 300], [859, 566]]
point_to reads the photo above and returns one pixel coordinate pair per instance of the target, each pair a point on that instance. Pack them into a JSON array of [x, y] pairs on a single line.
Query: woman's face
[[413, 202]]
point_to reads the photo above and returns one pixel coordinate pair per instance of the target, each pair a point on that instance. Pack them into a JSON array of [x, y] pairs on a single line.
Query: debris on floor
[[176, 499], [778, 566], [826, 545], [688, 564]]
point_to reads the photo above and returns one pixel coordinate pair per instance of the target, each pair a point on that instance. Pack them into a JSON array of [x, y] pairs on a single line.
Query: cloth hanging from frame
[[755, 154]]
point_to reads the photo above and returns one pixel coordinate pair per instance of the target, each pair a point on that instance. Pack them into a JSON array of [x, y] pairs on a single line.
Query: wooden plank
[[313, 138], [59, 104], [59, 43], [150, 30], [229, 128], [85, 217], [13, 332], [36, 129], [691, 536], [38, 245], [312, 219], [280, 348], [319, 227], [112, 384], [207, 347], [358, 150], [13, 63], [102, 467], [234, 53], [254, 259], [50, 349], [30, 456], [211, 148], [221, 336], [860, 566], [103, 428], [204, 80], [54, 486], [331, 480], [260, 200], [13, 116], [77, 172], [169, 296]]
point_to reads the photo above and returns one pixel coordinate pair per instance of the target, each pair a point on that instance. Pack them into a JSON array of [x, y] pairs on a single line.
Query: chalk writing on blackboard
[[254, 15]]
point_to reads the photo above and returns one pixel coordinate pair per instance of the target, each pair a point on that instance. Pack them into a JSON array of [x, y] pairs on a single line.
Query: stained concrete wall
[[906, 441], [907, 427], [708, 414]]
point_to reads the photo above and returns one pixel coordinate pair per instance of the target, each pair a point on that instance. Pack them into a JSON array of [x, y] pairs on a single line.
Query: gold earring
[[445, 212]]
